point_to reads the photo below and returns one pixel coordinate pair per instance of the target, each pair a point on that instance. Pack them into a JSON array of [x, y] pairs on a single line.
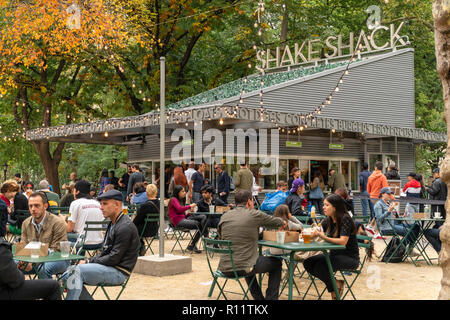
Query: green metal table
[[300, 246], [208, 215], [51, 257], [423, 224]]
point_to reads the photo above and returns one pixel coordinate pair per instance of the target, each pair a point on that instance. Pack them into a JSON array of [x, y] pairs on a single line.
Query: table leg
[[291, 274], [333, 279]]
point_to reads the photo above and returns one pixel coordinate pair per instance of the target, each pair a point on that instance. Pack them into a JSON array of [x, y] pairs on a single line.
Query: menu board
[[395, 186]]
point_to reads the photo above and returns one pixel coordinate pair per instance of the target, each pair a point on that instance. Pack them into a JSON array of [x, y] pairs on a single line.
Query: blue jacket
[[140, 198], [223, 183], [363, 178], [381, 213]]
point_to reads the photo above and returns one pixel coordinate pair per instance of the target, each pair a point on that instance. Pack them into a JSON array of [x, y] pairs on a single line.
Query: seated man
[[208, 200], [384, 209], [295, 198], [241, 227], [53, 198], [44, 227], [13, 285], [83, 209], [118, 256]]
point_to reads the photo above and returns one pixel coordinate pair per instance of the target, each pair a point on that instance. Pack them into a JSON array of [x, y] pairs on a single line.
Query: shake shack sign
[[381, 37]]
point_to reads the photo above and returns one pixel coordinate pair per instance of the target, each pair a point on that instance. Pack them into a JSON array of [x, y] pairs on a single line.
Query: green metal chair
[[346, 274], [59, 210], [103, 286], [80, 245], [223, 247], [150, 218], [179, 234]]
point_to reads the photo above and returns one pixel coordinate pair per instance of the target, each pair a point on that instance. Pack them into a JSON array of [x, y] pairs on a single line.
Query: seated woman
[[384, 209], [340, 229], [180, 219], [150, 206], [140, 194], [282, 211]]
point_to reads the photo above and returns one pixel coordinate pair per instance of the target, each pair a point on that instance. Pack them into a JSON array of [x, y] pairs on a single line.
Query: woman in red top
[[180, 219]]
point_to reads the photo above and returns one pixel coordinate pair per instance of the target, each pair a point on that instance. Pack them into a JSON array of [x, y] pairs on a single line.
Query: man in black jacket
[[119, 254], [223, 183], [13, 285], [208, 200], [437, 191]]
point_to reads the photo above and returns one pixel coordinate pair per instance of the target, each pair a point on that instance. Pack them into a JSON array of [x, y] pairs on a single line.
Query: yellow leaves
[[43, 89]]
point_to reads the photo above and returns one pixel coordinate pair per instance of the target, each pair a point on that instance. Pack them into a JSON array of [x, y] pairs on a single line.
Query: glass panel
[[283, 170], [293, 163], [335, 165], [345, 171], [320, 165], [390, 159], [268, 177], [304, 169], [374, 157], [354, 175]]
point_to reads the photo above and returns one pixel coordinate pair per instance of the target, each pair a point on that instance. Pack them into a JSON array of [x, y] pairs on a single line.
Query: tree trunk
[[50, 162], [284, 26], [441, 14]]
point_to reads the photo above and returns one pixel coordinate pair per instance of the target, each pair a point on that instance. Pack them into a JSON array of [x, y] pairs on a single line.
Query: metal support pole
[[162, 131]]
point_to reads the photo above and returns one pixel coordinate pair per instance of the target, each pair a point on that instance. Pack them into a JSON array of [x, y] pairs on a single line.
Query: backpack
[[391, 247]]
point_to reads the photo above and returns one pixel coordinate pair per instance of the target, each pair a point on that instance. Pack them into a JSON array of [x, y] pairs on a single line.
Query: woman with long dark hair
[[178, 217], [340, 229]]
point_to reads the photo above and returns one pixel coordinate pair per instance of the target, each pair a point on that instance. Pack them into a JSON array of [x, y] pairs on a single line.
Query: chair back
[[90, 226], [223, 247], [149, 218], [58, 210], [366, 246]]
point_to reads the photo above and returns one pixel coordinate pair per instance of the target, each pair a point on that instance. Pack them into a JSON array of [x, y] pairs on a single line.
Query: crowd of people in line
[[189, 192]]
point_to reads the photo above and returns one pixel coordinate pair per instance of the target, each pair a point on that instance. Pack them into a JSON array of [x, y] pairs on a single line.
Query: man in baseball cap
[[119, 253], [295, 199]]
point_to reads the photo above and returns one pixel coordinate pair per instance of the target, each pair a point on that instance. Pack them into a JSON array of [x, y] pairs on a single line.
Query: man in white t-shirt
[[188, 173], [83, 209]]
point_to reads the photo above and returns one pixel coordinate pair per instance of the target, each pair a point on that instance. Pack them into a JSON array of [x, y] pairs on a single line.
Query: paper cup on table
[[437, 215], [280, 236], [211, 209], [65, 248]]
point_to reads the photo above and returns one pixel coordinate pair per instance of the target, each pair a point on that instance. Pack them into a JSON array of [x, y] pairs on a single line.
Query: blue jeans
[[48, 269], [367, 203], [91, 274]]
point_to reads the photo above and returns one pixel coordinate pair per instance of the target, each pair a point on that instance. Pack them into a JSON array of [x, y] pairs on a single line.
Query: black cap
[[111, 194], [436, 170], [18, 175], [83, 186]]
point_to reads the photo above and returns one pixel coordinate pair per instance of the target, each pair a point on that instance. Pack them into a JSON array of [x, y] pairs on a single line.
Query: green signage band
[[189, 142], [336, 146], [294, 144]]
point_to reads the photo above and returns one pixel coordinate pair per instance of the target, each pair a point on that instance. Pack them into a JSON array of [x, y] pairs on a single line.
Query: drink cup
[[65, 248], [211, 209], [125, 210], [306, 234], [35, 253], [437, 215], [280, 236]]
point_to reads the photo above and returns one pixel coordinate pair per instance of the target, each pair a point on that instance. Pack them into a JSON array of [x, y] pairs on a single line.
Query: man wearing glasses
[[223, 183]]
